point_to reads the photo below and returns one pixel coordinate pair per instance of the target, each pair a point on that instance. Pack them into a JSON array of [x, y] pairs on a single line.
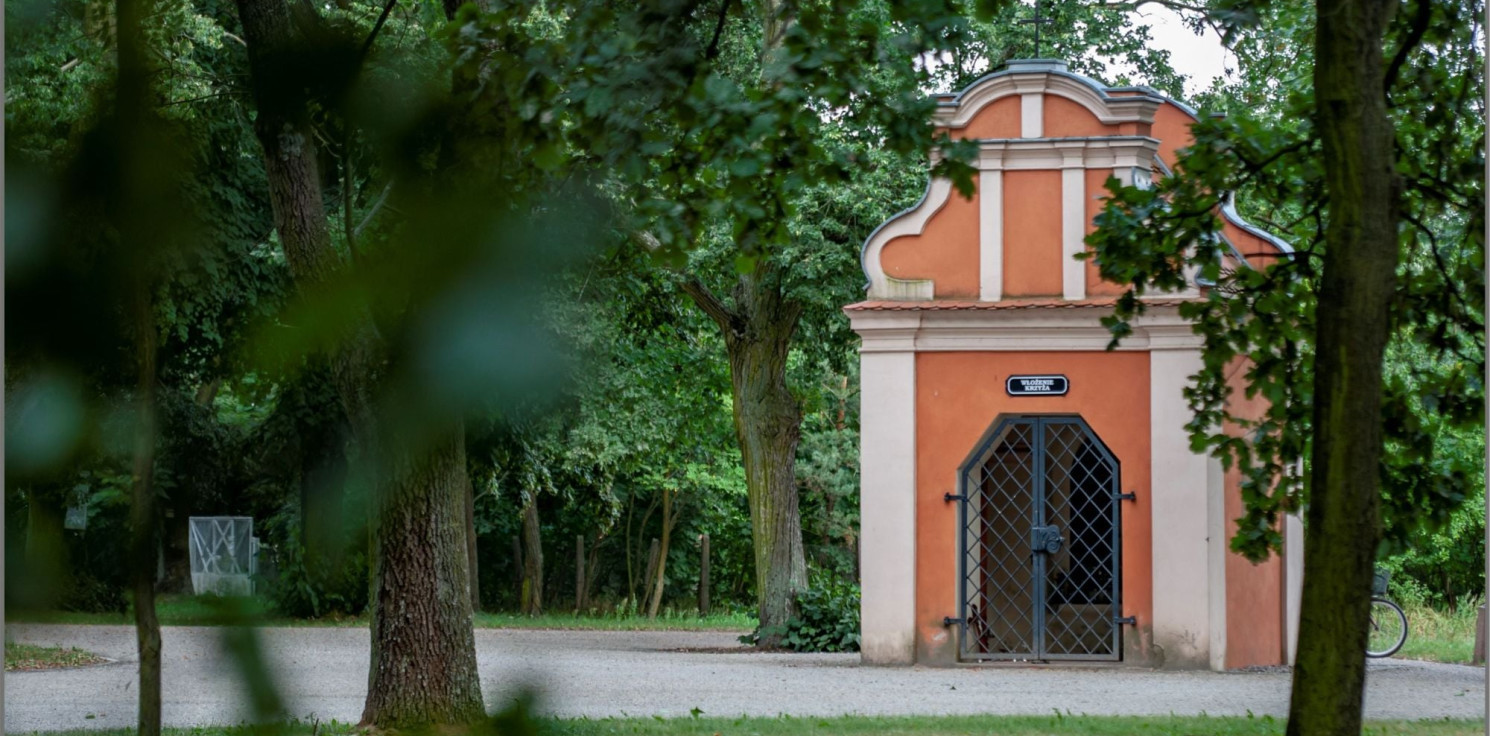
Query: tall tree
[[708, 123], [134, 119], [1361, 164], [423, 667], [1353, 325]]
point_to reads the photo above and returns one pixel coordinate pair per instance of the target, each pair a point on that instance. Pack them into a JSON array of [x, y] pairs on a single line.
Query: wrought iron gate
[[1039, 560]]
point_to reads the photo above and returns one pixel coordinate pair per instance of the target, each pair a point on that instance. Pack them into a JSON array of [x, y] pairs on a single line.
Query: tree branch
[[346, 195], [1414, 37], [727, 320], [1438, 262], [376, 205], [382, 18], [713, 51], [712, 306]]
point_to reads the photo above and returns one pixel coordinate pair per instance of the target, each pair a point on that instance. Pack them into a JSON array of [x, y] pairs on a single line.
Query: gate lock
[[1046, 539]]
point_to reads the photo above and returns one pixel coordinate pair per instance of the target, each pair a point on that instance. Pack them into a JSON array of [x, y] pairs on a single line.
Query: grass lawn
[[1438, 636], [186, 610], [666, 621], [22, 657], [877, 726]]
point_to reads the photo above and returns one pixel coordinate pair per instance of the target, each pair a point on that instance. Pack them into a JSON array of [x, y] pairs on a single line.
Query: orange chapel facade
[[1026, 494]]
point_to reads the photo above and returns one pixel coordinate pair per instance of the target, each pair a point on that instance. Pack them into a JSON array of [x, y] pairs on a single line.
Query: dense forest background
[[614, 426]]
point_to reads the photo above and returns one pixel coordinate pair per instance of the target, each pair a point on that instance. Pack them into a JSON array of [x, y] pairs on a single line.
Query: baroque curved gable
[[1048, 141]]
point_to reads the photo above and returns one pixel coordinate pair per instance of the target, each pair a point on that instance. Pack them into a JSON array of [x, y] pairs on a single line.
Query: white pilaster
[[1073, 225], [1032, 115], [990, 235], [1293, 577], [887, 507], [1179, 506], [1219, 545]]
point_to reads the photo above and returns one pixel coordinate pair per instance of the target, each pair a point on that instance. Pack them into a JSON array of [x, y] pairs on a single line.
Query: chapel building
[[1028, 495]]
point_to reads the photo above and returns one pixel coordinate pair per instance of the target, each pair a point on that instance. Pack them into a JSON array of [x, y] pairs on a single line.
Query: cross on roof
[[1037, 21]]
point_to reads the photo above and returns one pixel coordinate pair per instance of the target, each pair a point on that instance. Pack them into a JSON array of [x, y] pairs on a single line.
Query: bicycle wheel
[[1388, 628]]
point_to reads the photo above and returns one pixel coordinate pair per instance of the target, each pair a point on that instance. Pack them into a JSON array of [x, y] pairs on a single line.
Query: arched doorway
[[1040, 543]]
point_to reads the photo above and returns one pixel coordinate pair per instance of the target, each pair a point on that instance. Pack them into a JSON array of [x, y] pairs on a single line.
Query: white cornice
[[1051, 329], [1107, 152]]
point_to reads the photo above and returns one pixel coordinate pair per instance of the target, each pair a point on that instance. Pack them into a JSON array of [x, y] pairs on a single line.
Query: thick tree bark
[[768, 424], [532, 590], [1353, 327], [758, 334], [423, 666], [423, 649]]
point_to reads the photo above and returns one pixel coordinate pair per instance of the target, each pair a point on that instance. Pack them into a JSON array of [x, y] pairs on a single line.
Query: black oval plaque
[[1037, 385]]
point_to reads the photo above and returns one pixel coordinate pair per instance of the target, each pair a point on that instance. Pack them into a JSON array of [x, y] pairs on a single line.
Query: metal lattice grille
[[1040, 543], [222, 554]]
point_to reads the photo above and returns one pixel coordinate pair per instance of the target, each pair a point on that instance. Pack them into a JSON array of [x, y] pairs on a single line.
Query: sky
[[1201, 58]]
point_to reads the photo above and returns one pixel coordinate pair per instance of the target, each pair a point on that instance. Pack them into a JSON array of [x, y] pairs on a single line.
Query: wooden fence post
[[703, 575]]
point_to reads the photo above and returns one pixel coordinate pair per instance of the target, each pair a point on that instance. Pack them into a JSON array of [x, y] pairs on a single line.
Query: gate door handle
[[1046, 539]]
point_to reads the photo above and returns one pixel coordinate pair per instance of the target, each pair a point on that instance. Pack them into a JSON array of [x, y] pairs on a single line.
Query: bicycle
[[1388, 630]]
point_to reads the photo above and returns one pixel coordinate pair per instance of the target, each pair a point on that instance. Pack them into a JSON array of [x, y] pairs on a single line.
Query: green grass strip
[[177, 610], [26, 657]]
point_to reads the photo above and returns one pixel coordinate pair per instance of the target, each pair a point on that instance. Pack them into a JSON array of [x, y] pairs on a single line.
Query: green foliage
[[827, 618], [1436, 635], [1444, 567], [311, 588], [1259, 321]]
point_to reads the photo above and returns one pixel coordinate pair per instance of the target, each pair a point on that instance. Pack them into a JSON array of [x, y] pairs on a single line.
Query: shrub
[[311, 589], [827, 619], [1445, 565]]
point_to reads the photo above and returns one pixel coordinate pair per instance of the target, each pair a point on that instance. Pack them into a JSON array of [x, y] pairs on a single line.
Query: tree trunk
[[1353, 325], [703, 576], [667, 535], [423, 665], [650, 576], [768, 424], [532, 592], [768, 421], [470, 499], [592, 570], [517, 562], [137, 181], [423, 649], [579, 574], [142, 519]]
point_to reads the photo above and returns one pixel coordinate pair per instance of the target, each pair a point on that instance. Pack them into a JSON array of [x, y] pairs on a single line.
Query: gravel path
[[323, 674]]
